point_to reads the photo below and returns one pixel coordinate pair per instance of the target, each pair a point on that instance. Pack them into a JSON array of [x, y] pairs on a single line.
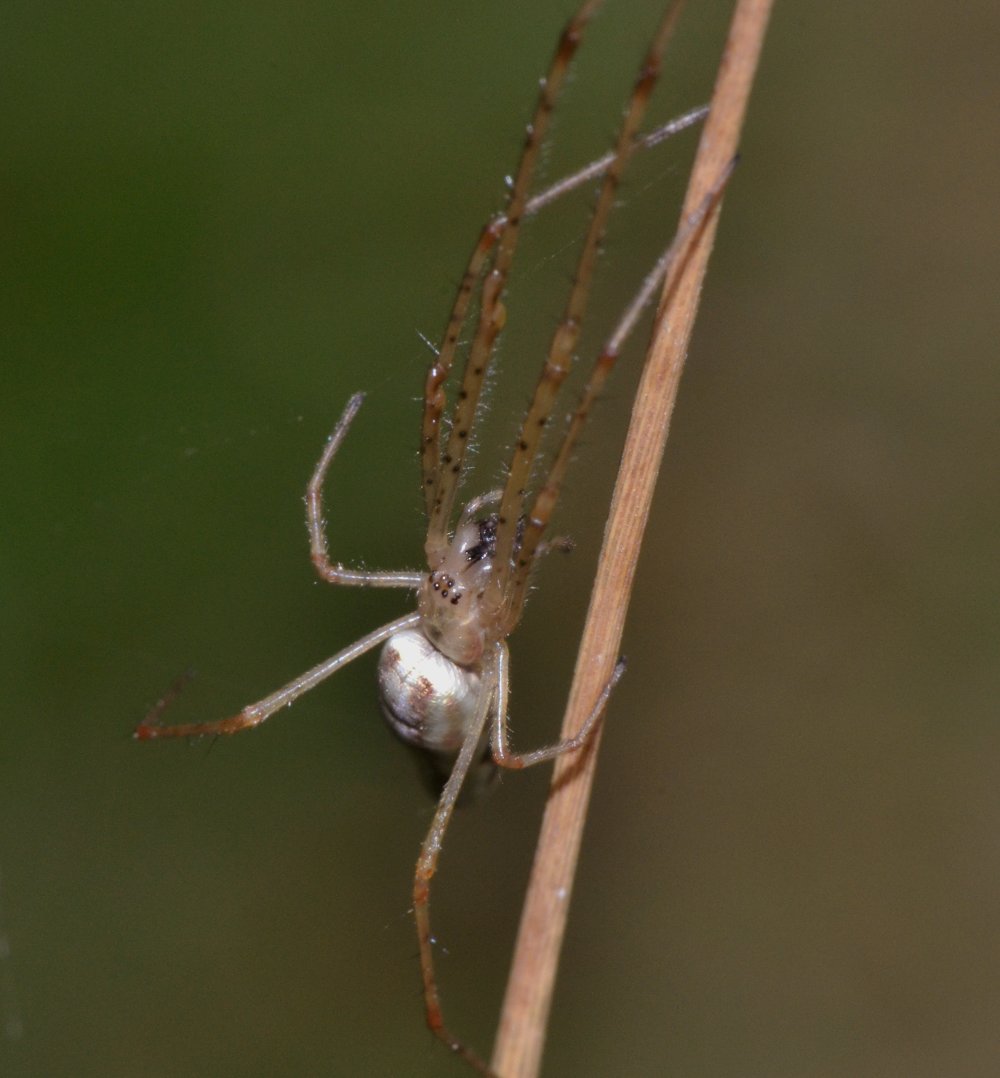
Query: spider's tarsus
[[150, 726], [147, 732]]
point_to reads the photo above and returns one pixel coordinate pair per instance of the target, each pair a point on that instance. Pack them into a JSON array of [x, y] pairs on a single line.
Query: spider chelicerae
[[443, 672]]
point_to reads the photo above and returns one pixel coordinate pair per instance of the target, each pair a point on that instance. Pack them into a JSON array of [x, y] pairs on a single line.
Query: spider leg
[[437, 374], [537, 519], [560, 354], [254, 714], [598, 167], [334, 572], [504, 755], [441, 472], [428, 859]]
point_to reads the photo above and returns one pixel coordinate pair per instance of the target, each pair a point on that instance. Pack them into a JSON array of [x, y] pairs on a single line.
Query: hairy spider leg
[[254, 714], [564, 340], [336, 573], [434, 396], [672, 259], [441, 472]]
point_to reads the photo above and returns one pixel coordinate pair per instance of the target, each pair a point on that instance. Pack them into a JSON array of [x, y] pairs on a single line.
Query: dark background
[[220, 221]]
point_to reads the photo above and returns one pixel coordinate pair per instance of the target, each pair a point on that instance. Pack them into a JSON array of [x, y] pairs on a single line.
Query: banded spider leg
[[443, 670]]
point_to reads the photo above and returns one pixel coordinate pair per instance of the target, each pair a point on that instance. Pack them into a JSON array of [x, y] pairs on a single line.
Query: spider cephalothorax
[[451, 598]]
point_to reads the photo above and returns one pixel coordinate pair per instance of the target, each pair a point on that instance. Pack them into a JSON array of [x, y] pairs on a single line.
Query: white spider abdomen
[[427, 699]]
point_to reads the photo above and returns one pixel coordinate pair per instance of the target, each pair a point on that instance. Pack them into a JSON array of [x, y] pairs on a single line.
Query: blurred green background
[[221, 220]]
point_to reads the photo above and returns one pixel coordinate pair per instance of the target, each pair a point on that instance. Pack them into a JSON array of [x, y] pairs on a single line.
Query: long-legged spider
[[443, 671]]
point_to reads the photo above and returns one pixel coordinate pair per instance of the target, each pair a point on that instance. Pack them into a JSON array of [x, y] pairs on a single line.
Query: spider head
[[450, 601]]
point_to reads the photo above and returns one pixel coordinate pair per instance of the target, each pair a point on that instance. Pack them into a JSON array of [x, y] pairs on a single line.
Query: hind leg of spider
[[504, 755], [254, 714], [427, 866]]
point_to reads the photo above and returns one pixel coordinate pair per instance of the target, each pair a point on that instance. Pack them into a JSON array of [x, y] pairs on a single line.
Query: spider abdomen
[[427, 699]]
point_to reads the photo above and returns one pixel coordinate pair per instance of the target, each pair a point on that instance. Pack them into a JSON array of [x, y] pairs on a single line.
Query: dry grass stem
[[524, 1018]]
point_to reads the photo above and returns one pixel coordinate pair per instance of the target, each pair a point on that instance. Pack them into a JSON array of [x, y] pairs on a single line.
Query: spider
[[443, 672]]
